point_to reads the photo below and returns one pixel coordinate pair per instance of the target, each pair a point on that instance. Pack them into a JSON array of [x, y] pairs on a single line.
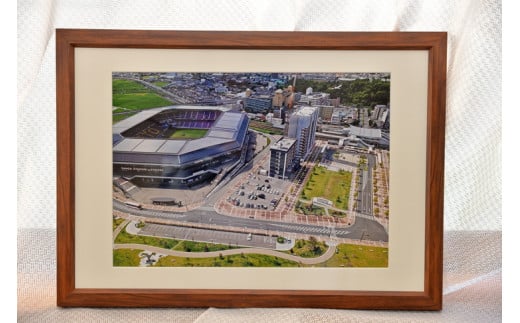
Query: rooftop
[[305, 111], [284, 144], [365, 132]]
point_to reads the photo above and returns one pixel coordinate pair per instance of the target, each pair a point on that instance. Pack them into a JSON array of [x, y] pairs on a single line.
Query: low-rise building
[[325, 113], [257, 104]]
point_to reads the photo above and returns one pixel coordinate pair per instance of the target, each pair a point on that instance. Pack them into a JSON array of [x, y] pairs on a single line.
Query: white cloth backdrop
[[473, 134]]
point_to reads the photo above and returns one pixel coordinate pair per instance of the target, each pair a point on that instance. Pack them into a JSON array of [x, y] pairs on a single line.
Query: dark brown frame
[[67, 293]]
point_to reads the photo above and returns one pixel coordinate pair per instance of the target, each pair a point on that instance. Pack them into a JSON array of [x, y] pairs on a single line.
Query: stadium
[[179, 146]]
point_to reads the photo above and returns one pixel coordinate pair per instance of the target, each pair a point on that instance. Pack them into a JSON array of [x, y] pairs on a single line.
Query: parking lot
[[259, 192]]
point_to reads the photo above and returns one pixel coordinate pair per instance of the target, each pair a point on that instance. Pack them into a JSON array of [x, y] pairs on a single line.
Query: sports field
[[130, 95], [334, 186], [188, 133]]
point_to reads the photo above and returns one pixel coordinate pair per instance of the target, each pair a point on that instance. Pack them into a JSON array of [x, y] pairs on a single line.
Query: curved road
[[306, 261], [363, 229]]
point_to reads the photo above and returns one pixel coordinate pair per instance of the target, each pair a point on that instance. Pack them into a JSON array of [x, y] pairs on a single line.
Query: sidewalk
[[306, 261]]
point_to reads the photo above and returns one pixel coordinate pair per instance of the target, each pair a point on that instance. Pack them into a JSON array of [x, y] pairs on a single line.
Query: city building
[[386, 123], [257, 104], [302, 128], [368, 136], [285, 98], [282, 158], [289, 97], [335, 118], [278, 99], [325, 113], [318, 98], [380, 115]]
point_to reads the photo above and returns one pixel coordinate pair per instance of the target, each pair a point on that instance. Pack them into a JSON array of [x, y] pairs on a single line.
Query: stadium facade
[[144, 153]]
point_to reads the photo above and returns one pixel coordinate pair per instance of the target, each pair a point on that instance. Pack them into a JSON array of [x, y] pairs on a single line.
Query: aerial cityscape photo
[[250, 169]]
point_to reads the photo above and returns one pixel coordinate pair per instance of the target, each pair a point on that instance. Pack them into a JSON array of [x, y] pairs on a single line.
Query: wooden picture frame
[[69, 295]]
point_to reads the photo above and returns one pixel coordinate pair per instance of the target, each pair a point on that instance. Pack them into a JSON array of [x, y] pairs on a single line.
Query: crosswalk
[[365, 216], [308, 229]]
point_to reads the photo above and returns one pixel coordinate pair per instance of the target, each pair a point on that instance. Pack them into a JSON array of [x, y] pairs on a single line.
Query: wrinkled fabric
[[472, 290], [473, 133]]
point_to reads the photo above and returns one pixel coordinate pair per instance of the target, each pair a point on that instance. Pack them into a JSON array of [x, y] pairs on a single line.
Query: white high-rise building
[[302, 128]]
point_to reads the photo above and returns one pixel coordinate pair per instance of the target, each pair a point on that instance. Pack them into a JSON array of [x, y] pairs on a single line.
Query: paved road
[[118, 229], [365, 189], [209, 236], [223, 188], [365, 118], [307, 261], [364, 228]]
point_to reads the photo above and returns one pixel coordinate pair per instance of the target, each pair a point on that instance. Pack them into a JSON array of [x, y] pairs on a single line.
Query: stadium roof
[[131, 121], [227, 133]]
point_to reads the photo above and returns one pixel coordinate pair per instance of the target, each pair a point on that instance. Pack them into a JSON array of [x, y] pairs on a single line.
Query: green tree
[[313, 242]]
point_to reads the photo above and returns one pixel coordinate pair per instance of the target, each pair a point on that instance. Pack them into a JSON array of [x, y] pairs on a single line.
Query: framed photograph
[[250, 169]]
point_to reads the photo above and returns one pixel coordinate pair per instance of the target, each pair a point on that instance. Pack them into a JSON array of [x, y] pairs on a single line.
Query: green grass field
[[264, 127], [160, 83], [347, 255], [358, 256], [130, 95], [188, 133], [241, 260], [126, 257], [116, 222], [334, 186], [193, 246], [139, 101]]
